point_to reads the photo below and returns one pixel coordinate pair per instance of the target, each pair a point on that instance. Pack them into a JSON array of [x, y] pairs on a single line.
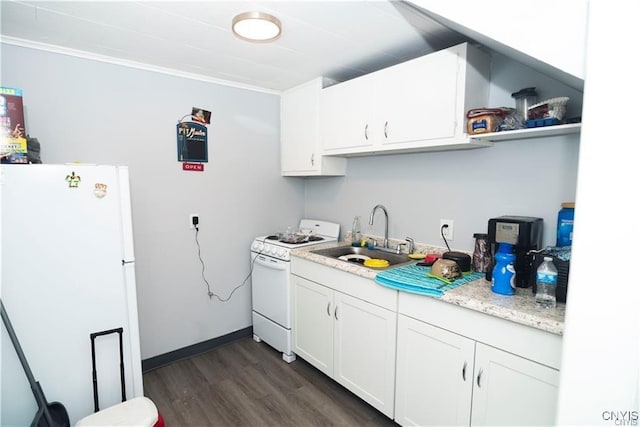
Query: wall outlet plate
[[193, 217], [447, 232]]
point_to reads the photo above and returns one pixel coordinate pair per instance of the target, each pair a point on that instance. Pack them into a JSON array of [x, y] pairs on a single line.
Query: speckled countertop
[[476, 295]]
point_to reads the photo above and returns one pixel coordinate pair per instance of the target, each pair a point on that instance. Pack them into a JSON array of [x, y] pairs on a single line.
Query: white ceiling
[[335, 39]]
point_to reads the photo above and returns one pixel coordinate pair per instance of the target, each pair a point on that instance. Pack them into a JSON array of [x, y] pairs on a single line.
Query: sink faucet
[[385, 244], [411, 244]]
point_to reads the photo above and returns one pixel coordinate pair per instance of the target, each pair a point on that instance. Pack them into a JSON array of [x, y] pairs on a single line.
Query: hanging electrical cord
[[463, 260], [443, 238], [204, 278]]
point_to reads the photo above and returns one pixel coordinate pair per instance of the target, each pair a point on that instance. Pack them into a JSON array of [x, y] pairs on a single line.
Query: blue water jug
[[565, 225], [503, 280]]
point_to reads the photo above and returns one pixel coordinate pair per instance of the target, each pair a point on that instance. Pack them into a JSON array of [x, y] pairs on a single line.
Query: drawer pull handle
[[366, 131], [386, 127], [464, 371], [335, 312], [478, 378], [329, 309]]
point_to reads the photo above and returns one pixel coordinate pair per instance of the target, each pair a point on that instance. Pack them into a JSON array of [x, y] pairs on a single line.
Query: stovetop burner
[[310, 232], [283, 239]]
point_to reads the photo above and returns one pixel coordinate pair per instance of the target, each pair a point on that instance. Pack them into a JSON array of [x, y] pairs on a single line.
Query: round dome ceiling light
[[257, 27]]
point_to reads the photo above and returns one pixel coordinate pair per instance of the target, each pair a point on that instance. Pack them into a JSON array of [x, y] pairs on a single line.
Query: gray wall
[[525, 177], [88, 111]]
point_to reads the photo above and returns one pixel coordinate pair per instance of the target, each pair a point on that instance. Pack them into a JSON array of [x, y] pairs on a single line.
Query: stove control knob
[[260, 247], [281, 253], [254, 246], [267, 250]]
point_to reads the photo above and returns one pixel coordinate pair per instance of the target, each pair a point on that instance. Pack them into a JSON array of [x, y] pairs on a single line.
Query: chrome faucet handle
[[399, 247], [411, 244], [371, 242]]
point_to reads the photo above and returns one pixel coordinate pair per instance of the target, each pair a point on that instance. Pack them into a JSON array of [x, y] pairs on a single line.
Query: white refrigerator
[[67, 270]]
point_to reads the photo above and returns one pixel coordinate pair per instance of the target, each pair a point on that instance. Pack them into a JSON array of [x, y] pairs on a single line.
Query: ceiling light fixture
[[257, 27]]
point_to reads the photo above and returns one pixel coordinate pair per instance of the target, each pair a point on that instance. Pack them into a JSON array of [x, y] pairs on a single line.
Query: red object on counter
[[430, 258]]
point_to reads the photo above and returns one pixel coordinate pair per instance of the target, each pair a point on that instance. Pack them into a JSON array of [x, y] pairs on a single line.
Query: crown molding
[[131, 64]]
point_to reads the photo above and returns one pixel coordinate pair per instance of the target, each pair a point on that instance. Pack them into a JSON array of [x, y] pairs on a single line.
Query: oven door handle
[[271, 263]]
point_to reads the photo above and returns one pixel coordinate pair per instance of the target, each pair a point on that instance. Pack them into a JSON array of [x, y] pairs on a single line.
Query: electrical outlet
[[194, 220], [448, 230]]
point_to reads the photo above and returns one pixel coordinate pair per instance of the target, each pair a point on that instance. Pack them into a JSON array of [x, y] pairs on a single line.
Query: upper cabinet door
[[347, 114], [300, 151], [417, 100], [418, 105], [299, 130]]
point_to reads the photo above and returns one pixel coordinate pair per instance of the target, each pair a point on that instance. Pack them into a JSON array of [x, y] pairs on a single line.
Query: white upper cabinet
[[300, 153], [418, 105], [421, 103], [347, 115], [554, 44]]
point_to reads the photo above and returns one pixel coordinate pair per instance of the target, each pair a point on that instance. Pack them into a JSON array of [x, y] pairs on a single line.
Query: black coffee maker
[[525, 234]]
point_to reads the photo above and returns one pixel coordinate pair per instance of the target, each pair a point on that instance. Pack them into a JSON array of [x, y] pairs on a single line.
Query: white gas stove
[[271, 285], [310, 232]]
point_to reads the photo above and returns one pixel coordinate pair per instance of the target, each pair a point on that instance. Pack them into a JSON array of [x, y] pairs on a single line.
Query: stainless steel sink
[[339, 251]]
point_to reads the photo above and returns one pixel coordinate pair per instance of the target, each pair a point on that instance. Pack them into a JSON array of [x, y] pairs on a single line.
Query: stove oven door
[[270, 290]]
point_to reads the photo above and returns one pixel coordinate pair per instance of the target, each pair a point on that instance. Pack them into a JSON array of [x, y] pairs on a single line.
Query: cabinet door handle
[[366, 131], [386, 126], [464, 371], [312, 159], [329, 309], [335, 312], [478, 378]]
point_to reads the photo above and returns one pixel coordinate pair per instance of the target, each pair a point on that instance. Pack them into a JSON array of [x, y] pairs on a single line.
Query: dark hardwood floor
[[244, 383]]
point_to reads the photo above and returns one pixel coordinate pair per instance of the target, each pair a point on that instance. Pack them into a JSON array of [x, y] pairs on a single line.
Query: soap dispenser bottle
[[356, 237]]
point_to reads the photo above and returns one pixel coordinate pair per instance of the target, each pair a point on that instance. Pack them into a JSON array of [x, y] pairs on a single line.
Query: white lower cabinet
[[313, 323], [419, 360], [511, 390], [364, 352], [447, 379], [347, 338], [434, 376]]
